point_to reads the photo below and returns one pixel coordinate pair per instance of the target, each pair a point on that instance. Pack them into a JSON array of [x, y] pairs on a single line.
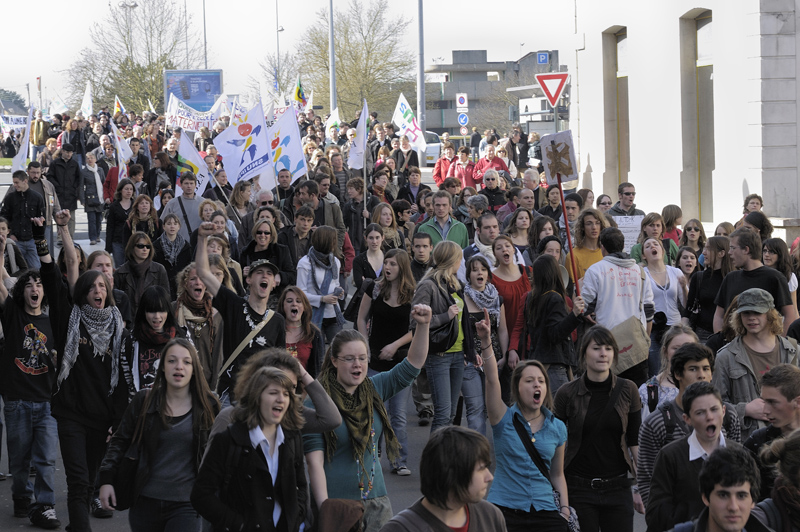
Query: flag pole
[[227, 198], [566, 222]]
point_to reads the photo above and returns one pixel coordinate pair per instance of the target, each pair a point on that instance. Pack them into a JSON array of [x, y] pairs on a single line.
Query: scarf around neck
[[357, 415], [487, 299], [97, 182], [171, 247], [198, 312], [104, 327], [486, 251]]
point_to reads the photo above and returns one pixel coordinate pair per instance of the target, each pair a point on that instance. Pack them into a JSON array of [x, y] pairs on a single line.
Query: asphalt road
[[403, 491]]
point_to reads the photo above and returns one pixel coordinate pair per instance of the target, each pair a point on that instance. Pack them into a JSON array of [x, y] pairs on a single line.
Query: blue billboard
[[198, 88]]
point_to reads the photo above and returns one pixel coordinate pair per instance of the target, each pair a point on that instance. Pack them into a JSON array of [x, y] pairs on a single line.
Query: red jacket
[[349, 255], [484, 164], [440, 170], [465, 173], [110, 184]]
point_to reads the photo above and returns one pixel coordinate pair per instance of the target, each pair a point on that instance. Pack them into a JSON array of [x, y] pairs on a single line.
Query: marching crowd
[[197, 370]]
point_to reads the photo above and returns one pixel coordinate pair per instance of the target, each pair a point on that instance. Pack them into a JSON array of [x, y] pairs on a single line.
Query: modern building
[[486, 84], [695, 103]]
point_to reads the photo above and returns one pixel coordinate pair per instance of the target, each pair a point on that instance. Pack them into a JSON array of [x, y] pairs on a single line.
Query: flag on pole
[[332, 122], [359, 146], [189, 159], [310, 104], [152, 109], [124, 152], [20, 159], [244, 145], [404, 117], [286, 147], [118, 107], [57, 105], [86, 104], [300, 95]]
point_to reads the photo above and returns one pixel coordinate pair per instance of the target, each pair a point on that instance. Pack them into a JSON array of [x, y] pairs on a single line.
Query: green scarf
[[356, 411]]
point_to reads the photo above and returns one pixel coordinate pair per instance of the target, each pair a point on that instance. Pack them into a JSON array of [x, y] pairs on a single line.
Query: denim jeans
[[654, 358], [28, 250], [445, 373], [95, 224], [118, 252], [606, 510], [36, 150], [154, 515], [474, 401], [32, 439], [397, 407], [82, 449], [421, 393], [558, 377]]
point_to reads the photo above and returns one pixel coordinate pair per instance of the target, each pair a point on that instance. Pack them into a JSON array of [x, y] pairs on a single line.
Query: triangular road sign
[[552, 85]]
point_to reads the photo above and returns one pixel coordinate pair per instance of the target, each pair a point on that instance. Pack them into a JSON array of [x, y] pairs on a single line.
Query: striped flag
[[118, 107]]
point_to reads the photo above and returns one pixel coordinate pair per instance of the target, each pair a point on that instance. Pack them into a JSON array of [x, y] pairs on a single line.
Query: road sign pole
[[555, 121]]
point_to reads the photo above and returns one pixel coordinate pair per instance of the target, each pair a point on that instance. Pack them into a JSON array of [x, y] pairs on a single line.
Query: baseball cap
[[263, 263], [755, 300]]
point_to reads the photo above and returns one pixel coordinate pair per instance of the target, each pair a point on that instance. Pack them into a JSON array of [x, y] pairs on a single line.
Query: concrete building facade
[[694, 102]]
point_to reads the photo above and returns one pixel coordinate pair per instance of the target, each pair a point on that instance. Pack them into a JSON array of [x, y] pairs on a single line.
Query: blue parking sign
[[542, 58]]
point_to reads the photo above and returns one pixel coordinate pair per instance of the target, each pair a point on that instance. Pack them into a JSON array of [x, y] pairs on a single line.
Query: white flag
[[20, 159], [332, 122], [404, 118], [152, 109], [269, 115], [57, 105], [359, 147], [244, 145], [189, 159], [310, 104], [286, 147], [124, 152], [86, 104]]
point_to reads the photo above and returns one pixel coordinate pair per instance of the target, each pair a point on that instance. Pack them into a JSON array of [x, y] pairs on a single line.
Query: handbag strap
[[534, 454], [185, 218], [244, 342]]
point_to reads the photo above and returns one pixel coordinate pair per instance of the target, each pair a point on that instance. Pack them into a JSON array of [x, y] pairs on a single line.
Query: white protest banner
[[630, 226], [269, 115], [152, 109], [57, 105], [244, 145], [279, 110], [359, 147], [286, 147], [124, 152], [333, 121], [13, 123], [189, 159], [21, 158], [86, 104], [404, 118], [310, 104], [558, 153], [180, 114]]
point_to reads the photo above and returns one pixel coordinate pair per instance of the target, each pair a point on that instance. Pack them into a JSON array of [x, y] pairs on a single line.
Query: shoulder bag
[[632, 337], [244, 342], [444, 336]]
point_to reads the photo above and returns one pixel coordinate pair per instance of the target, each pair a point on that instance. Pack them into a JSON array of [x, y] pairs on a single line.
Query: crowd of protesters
[[207, 342]]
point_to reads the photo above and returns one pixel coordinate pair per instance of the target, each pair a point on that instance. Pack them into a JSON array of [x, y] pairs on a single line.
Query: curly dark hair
[[18, 292]]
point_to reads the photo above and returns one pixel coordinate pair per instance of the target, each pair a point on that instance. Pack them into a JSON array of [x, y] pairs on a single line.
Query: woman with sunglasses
[[140, 271], [694, 236], [265, 246], [604, 203]]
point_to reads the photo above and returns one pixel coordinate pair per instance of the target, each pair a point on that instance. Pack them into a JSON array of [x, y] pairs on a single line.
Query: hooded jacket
[[612, 305], [617, 210]]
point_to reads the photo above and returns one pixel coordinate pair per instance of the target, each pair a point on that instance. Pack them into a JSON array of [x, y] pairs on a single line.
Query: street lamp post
[[278, 30], [205, 42], [128, 6]]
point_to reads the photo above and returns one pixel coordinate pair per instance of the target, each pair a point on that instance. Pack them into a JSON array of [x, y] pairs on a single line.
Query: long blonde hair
[[445, 255]]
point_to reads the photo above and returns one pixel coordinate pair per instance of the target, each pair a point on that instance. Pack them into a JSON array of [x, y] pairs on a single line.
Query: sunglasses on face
[[264, 203], [693, 229], [267, 233], [142, 246], [629, 193], [605, 203]]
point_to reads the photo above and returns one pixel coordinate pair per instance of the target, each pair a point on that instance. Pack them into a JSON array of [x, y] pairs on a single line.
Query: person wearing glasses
[[140, 271], [625, 206], [604, 203], [344, 463], [265, 246], [694, 236]]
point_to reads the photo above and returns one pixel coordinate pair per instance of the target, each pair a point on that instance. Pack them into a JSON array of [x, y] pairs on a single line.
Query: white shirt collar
[[696, 450], [257, 438]]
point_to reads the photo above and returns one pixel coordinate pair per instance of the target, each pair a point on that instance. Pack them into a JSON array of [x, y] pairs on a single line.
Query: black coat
[[237, 495], [123, 436], [66, 178], [279, 255], [496, 197], [181, 261]]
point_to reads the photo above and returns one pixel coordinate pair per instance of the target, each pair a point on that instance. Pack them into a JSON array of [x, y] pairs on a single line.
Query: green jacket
[[458, 232]]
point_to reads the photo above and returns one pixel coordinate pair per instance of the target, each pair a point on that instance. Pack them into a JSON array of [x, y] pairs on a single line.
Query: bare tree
[[131, 47], [272, 80], [371, 61]]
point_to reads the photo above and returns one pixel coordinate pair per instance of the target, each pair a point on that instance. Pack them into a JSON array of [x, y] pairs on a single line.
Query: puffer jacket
[[735, 379]]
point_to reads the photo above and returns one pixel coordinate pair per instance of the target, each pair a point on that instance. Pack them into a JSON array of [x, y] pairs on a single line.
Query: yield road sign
[[552, 84], [463, 119]]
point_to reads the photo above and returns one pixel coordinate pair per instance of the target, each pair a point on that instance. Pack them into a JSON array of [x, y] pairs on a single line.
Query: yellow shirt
[[583, 259], [459, 345]]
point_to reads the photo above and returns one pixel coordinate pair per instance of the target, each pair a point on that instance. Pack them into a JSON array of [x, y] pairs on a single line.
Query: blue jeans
[[654, 358], [154, 515], [32, 439], [28, 250], [95, 224], [474, 401], [558, 377], [36, 150], [445, 373], [397, 406], [118, 252]]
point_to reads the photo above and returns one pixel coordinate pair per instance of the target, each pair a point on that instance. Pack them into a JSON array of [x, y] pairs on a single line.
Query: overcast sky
[[55, 32]]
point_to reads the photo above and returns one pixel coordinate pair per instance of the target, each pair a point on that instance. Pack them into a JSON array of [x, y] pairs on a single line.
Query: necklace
[[360, 467], [531, 422]]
